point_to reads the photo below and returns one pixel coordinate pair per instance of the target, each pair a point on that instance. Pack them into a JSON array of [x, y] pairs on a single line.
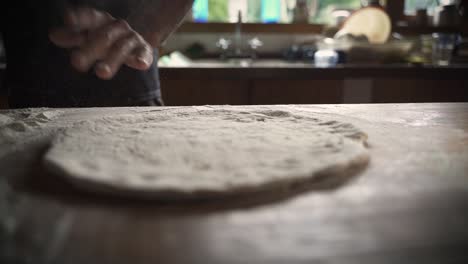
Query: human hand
[[101, 41]]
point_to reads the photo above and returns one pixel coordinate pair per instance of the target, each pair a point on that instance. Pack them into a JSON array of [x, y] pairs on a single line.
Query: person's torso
[[40, 74]]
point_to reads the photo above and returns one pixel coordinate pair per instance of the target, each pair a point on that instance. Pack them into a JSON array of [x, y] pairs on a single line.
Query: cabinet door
[[205, 92], [419, 91], [297, 92]]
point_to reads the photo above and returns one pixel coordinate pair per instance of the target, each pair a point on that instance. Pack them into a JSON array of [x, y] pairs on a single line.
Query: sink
[[179, 60]]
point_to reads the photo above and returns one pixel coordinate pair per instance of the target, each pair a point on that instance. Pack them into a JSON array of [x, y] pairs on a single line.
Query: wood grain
[[409, 206]]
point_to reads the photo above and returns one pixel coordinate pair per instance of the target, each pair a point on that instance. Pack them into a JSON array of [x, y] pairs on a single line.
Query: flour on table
[[18, 128], [4, 119], [198, 151]]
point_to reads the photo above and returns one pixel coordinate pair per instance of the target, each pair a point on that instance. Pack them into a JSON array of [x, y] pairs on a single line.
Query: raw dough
[[200, 151]]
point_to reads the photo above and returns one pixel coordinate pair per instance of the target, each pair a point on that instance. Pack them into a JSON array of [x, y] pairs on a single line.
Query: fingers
[[116, 57], [99, 43], [64, 38], [86, 19], [126, 49], [77, 23], [142, 58]]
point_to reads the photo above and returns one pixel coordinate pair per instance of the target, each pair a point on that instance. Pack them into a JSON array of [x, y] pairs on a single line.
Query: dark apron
[[39, 74]]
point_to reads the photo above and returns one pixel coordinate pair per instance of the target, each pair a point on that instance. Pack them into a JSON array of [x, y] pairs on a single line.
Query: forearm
[[155, 20]]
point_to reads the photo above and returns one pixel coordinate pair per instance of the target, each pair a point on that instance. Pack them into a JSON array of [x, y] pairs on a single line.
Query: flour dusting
[[20, 128], [199, 150], [4, 119]]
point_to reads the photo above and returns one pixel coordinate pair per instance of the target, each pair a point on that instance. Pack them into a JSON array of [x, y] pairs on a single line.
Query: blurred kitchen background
[[317, 51]]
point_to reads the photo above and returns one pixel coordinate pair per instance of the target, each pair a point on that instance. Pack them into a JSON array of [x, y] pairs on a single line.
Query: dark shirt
[[39, 73]]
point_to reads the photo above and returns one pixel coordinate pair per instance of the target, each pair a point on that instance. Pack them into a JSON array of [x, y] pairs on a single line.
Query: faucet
[[238, 35], [236, 52]]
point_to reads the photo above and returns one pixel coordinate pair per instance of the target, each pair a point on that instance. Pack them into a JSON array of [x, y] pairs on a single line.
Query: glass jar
[[443, 47]]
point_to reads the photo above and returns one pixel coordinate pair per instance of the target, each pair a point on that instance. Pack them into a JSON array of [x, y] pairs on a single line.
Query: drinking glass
[[443, 47]]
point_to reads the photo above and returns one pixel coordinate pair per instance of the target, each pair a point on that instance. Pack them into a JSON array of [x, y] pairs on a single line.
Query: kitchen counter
[[280, 69], [269, 82], [409, 206]]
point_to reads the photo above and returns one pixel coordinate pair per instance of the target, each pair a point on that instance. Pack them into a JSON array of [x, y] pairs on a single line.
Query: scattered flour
[[4, 119], [19, 128]]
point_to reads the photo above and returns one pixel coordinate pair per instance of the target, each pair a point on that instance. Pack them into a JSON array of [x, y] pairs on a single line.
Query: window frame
[[395, 8]]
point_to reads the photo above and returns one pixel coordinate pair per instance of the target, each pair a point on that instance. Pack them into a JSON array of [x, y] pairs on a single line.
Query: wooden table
[[409, 206]]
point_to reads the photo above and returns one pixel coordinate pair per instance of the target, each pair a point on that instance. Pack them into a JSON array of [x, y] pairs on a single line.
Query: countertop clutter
[[409, 206]]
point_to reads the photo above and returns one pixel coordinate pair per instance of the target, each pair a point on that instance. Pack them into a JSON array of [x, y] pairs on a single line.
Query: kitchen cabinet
[[253, 86], [420, 90], [251, 92], [267, 92], [203, 92]]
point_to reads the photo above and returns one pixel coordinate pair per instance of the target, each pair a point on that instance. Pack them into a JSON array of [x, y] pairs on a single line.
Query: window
[[411, 6], [267, 11]]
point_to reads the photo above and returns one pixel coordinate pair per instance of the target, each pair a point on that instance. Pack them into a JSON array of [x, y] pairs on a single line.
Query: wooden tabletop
[[409, 206]]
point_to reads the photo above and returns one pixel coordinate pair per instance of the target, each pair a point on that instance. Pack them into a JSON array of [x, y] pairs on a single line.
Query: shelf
[[190, 27]]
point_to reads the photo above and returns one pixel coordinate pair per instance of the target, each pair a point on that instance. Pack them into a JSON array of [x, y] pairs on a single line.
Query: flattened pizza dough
[[200, 151]]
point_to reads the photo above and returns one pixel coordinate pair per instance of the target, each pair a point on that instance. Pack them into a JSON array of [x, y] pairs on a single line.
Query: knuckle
[[142, 42], [145, 51], [121, 45], [123, 25], [107, 16], [124, 45], [132, 38], [107, 35], [100, 18], [136, 37], [95, 13], [111, 33], [147, 47]]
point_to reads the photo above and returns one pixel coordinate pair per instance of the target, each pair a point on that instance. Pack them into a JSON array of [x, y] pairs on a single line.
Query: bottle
[[301, 12]]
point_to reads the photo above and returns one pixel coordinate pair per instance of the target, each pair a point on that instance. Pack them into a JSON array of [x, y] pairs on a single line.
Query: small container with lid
[[326, 56]]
